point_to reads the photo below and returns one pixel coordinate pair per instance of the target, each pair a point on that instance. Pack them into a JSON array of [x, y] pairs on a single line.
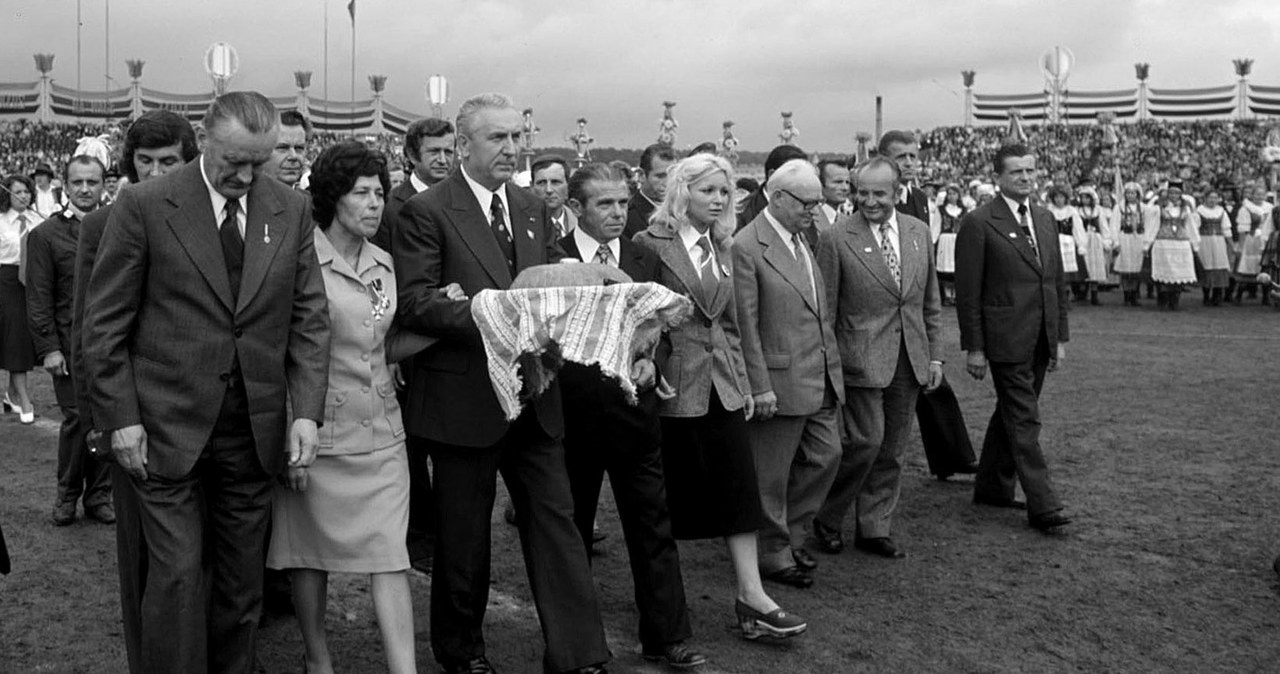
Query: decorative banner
[[1207, 102]]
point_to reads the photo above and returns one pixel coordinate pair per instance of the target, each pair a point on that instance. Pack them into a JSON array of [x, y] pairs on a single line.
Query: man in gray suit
[[793, 367], [879, 267], [205, 317]]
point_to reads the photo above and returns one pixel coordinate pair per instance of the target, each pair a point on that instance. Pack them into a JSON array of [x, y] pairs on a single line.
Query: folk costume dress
[[1067, 220], [1173, 248], [354, 513], [1214, 226], [1098, 242], [1253, 228], [950, 215], [1132, 220]]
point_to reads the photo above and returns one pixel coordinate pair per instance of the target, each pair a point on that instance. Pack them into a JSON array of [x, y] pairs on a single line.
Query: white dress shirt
[[789, 240], [689, 237], [11, 234], [830, 212], [484, 196], [418, 185], [893, 237], [1031, 223], [220, 203], [588, 246]]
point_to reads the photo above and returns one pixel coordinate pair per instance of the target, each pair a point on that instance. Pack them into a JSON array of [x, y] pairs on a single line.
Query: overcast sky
[[615, 61]]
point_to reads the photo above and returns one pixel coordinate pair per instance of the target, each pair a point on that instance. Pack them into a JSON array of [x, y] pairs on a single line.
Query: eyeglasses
[[806, 205]]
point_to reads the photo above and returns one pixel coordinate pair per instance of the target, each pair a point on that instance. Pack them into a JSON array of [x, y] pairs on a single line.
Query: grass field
[[1162, 436]]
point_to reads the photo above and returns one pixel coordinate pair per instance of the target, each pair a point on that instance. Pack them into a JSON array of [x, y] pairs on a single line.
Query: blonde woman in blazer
[[711, 479]]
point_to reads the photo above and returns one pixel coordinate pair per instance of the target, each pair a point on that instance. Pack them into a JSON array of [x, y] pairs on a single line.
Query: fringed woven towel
[[527, 333]]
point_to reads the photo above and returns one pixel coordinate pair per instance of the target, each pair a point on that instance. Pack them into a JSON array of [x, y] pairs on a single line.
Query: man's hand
[[748, 407], [975, 363], [766, 405], [304, 440], [129, 446], [397, 375], [55, 364], [644, 374], [1056, 360], [935, 377], [454, 292]]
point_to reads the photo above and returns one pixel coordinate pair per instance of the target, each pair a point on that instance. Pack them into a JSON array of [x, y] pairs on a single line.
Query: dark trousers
[[79, 475], [877, 423], [131, 563], [203, 535], [596, 442], [1011, 449], [532, 466], [420, 538]]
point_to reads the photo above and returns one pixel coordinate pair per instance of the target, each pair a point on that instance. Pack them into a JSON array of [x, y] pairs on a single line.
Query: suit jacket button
[[707, 322], [710, 349], [225, 376], [239, 332]]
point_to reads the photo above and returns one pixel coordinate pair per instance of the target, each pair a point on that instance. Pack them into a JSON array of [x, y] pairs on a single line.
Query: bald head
[[795, 192]]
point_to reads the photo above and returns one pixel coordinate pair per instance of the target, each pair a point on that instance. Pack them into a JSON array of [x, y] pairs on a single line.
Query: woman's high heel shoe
[[8, 405], [777, 623]]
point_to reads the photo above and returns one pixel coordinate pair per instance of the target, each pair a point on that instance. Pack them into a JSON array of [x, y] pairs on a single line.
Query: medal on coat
[[379, 299], [266, 233]]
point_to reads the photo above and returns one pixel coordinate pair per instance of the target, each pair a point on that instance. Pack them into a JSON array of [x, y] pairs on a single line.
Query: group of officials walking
[[236, 349]]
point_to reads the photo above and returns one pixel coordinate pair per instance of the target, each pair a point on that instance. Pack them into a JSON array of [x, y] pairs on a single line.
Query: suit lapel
[[631, 260], [570, 247], [780, 258], [909, 252], [1046, 238], [193, 226], [260, 242], [866, 248], [1006, 223], [473, 226], [525, 231], [676, 258]]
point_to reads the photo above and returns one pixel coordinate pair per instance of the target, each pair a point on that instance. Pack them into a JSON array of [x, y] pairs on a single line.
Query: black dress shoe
[[677, 656], [830, 541], [883, 547], [478, 665], [589, 669], [999, 502], [969, 468], [792, 575], [804, 560], [1050, 521]]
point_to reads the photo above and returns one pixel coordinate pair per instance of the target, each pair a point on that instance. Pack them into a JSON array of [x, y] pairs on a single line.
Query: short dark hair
[[748, 184], [878, 162], [822, 168], [707, 147], [658, 151], [893, 136], [155, 129], [597, 172], [544, 160], [1014, 150], [779, 156], [432, 127], [8, 182], [84, 159], [255, 112], [335, 172], [295, 118]]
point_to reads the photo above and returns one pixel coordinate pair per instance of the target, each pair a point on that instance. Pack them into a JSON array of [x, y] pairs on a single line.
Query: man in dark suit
[[605, 433], [157, 143], [757, 201], [880, 271], [50, 281], [549, 181], [205, 316], [429, 152], [654, 163], [289, 157], [1011, 300], [793, 366], [476, 230], [902, 148]]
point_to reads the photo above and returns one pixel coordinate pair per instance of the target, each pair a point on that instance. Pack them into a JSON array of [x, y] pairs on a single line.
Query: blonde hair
[[673, 212]]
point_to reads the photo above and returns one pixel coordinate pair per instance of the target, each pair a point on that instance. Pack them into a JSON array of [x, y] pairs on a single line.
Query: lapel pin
[[266, 233], [866, 250], [529, 232], [1013, 235]]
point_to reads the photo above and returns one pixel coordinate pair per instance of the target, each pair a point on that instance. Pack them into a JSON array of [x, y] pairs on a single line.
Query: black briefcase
[[4, 554], [943, 432]]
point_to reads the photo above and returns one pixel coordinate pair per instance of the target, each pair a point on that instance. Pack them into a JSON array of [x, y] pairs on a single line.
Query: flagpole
[[78, 24], [326, 61], [352, 9]]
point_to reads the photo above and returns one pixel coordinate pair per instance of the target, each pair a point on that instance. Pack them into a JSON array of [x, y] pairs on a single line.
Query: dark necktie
[[232, 246], [706, 269], [1025, 222], [22, 224], [500, 232]]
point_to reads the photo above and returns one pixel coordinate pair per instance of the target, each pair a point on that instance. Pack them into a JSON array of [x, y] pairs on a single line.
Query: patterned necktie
[[232, 246], [802, 255], [499, 224], [1025, 222], [706, 269], [603, 255], [890, 255]]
